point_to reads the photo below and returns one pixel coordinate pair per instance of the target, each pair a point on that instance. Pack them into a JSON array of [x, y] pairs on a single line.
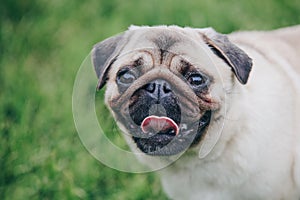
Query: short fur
[[257, 156]]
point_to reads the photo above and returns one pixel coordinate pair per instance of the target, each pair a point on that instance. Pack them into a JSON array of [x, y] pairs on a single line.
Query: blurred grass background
[[42, 44]]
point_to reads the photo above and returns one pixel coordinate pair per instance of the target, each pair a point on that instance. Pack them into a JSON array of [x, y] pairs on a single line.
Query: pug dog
[[173, 90]]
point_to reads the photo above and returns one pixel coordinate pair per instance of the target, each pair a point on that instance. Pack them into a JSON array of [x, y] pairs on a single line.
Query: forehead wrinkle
[[164, 41]]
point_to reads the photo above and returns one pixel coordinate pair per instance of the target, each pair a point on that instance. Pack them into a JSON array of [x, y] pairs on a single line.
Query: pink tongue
[[158, 124]]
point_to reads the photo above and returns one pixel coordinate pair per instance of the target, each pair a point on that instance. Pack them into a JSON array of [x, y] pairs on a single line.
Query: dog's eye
[[126, 77], [196, 80]]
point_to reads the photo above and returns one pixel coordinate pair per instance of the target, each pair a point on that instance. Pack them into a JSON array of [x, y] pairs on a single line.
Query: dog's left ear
[[236, 58], [104, 54]]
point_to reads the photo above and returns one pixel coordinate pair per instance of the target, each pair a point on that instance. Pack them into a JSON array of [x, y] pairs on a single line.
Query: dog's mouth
[[162, 136], [158, 121]]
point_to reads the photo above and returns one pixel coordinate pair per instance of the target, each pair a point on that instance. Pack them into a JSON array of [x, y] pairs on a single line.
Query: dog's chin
[[168, 143]]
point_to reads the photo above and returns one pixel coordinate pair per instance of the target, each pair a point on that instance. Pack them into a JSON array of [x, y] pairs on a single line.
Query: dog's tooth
[[184, 126]]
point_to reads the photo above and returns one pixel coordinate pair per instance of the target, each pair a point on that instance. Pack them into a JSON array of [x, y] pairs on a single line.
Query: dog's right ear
[[103, 56]]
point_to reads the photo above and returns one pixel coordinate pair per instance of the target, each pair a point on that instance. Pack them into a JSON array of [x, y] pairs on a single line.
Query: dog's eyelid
[[196, 72], [123, 70], [126, 69]]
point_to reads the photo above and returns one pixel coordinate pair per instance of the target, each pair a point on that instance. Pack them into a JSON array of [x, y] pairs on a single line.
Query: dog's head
[[165, 85]]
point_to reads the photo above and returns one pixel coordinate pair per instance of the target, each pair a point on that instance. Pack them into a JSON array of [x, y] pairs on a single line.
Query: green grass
[[42, 44]]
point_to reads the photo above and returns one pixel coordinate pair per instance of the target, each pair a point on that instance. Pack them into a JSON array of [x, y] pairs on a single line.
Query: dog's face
[[165, 85]]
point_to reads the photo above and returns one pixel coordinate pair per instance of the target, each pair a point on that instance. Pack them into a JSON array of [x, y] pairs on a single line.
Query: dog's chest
[[206, 181], [224, 179]]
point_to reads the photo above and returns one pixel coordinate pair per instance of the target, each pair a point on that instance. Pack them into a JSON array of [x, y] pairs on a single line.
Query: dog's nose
[[158, 89]]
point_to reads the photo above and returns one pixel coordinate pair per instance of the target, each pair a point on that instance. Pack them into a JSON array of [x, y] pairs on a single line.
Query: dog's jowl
[[172, 89]]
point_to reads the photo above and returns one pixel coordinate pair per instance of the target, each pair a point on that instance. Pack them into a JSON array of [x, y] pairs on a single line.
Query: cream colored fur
[[257, 156]]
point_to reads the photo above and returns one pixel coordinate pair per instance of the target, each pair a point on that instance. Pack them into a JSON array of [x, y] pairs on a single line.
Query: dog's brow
[[138, 62], [184, 67]]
